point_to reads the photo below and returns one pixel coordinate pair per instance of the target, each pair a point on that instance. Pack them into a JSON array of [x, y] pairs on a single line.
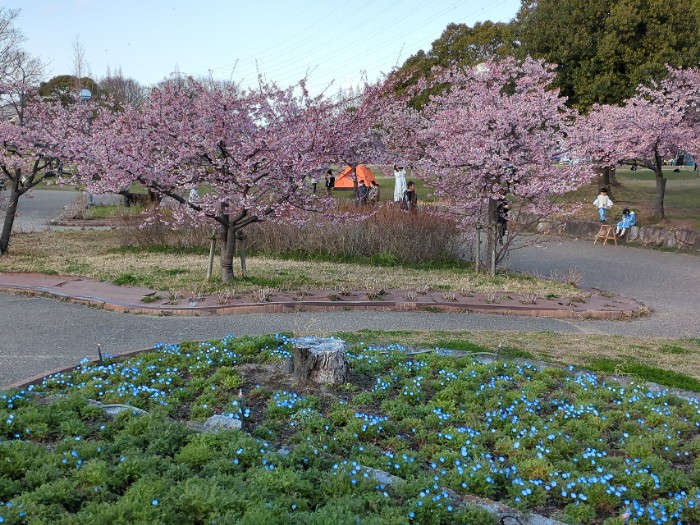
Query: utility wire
[[296, 68]]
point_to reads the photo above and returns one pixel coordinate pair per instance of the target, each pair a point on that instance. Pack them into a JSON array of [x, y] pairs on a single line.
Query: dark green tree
[[605, 48], [458, 44], [65, 88]]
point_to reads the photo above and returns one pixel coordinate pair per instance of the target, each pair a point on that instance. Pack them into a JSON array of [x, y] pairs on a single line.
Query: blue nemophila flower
[[154, 502]]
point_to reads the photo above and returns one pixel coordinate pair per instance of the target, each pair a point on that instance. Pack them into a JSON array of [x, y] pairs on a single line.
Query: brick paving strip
[[130, 299]]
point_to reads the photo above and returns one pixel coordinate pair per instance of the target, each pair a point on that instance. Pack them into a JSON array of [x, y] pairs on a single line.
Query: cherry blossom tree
[[250, 150], [32, 147], [491, 132], [655, 125]]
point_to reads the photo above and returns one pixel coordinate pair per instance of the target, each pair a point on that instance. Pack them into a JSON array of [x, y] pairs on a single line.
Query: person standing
[[194, 195], [502, 209], [373, 194], [410, 198], [362, 192], [330, 182], [399, 183], [603, 203]]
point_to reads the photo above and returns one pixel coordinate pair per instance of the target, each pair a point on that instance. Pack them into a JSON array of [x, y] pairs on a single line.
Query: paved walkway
[[42, 334], [45, 334], [667, 282]]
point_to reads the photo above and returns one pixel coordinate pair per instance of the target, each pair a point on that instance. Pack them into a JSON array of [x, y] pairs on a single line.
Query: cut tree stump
[[319, 360]]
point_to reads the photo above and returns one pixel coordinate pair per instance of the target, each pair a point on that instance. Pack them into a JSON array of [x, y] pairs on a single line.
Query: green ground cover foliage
[[583, 448]]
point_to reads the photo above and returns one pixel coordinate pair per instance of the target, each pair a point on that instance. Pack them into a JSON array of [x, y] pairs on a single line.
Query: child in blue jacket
[[629, 219]]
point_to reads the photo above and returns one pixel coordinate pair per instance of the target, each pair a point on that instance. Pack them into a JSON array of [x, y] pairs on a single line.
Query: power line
[[274, 68]]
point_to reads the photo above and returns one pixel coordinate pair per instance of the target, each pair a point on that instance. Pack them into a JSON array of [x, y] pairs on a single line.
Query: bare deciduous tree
[[79, 64], [123, 90]]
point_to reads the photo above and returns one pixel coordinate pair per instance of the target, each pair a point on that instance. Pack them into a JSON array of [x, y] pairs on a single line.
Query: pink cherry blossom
[[654, 125], [492, 131], [250, 150]]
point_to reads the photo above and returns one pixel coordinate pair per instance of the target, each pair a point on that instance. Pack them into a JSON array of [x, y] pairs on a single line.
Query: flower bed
[[442, 426]]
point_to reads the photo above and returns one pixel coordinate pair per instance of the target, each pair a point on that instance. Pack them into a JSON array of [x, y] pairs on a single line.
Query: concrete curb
[[631, 308]]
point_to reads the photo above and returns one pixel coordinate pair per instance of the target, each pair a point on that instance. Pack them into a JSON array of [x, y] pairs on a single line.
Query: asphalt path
[[38, 207], [41, 334], [667, 282]]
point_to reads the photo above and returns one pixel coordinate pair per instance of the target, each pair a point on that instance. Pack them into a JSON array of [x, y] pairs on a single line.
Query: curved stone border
[[683, 240], [613, 308]]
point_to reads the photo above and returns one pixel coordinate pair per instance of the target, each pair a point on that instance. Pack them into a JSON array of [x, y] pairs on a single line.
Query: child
[[602, 202], [373, 194], [629, 219], [410, 199]]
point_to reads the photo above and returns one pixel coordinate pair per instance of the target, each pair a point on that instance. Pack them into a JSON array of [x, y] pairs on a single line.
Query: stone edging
[[632, 309], [652, 236]]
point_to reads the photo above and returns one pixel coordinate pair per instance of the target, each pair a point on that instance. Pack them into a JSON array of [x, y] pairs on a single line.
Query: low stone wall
[[654, 236]]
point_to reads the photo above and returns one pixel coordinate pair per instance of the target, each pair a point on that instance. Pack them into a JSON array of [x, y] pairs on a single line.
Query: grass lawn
[[408, 439], [637, 190], [99, 255]]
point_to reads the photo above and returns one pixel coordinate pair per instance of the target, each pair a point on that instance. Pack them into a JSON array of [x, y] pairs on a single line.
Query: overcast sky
[[332, 40]]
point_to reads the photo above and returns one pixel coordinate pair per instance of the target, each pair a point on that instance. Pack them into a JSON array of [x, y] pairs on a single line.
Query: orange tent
[[344, 180]]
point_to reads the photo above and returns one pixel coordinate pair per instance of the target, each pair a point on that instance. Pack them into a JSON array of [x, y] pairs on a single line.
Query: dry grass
[[579, 350], [98, 255], [681, 356]]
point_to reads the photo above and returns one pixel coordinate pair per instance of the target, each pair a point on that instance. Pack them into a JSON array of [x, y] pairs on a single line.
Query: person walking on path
[[399, 183], [603, 203]]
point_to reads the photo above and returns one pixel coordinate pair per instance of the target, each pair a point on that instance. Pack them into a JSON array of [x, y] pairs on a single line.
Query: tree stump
[[319, 360]]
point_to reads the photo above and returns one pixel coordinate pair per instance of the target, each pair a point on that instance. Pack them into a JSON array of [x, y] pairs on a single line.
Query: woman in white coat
[[399, 183]]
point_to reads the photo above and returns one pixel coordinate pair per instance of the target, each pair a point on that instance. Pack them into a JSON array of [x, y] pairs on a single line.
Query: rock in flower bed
[[443, 427]]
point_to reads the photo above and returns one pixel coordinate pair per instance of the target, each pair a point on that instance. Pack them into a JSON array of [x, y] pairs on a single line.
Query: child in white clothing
[[602, 202]]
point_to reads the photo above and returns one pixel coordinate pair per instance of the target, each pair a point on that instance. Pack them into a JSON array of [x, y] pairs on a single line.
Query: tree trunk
[[660, 193], [227, 253], [353, 174], [606, 179], [491, 239], [321, 361], [10, 215], [656, 165], [241, 237]]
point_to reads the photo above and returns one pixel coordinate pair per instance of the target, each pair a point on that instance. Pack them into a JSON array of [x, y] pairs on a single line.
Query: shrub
[[161, 232], [388, 237]]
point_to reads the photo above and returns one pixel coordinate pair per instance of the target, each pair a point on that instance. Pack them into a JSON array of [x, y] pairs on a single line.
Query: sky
[[330, 41]]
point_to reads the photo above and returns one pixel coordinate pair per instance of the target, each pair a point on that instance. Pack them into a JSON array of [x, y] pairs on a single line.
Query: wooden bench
[[606, 233]]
